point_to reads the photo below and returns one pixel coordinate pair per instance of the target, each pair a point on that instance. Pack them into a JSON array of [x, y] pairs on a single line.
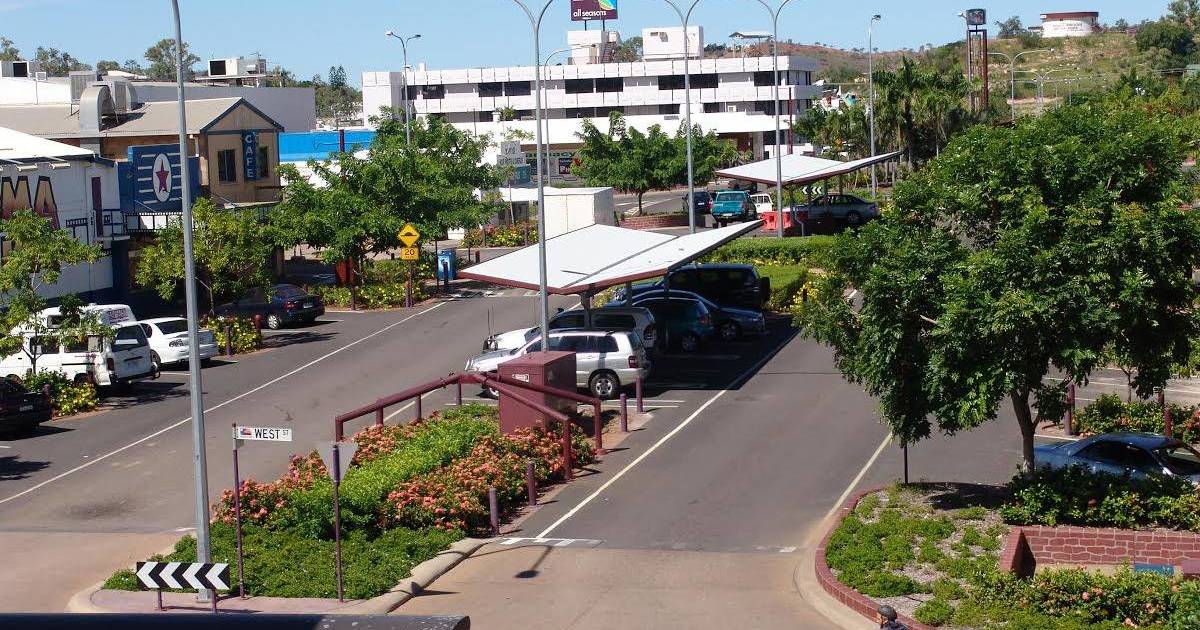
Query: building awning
[[596, 257], [799, 169]]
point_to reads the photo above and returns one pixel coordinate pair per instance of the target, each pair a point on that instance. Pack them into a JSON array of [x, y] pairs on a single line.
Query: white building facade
[[1070, 24], [732, 96]]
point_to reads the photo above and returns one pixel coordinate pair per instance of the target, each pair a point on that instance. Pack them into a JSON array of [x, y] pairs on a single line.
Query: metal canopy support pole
[[535, 23], [195, 389], [871, 96], [775, 72], [684, 18]]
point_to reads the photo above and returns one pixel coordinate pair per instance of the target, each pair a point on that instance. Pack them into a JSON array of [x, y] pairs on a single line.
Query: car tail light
[[705, 320], [648, 332], [110, 364], [289, 304], [634, 362]]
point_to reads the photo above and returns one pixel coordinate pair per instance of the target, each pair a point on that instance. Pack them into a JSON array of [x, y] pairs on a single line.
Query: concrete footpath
[[544, 586]]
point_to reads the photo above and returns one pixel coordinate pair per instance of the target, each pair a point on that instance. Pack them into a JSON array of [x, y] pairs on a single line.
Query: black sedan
[[1138, 455], [21, 410], [279, 306], [701, 200]]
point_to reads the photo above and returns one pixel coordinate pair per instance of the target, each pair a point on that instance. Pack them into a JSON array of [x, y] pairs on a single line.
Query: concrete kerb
[[421, 577], [810, 589]]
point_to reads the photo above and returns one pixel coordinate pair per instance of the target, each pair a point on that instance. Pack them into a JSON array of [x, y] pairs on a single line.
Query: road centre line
[[695, 414], [217, 406]]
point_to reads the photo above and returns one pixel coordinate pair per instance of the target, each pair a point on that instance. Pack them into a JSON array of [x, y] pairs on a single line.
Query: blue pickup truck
[[730, 206]]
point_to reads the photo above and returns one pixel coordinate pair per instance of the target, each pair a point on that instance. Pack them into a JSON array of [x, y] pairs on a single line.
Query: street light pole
[[871, 93], [774, 12], [404, 72], [687, 111], [195, 390], [535, 24], [1012, 80]]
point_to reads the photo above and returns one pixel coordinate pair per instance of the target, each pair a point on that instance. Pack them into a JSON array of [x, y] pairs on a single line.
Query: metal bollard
[[493, 511], [531, 483], [637, 391], [228, 341], [458, 394], [419, 414], [598, 429], [477, 257], [1167, 422], [566, 450], [624, 413], [258, 323], [1070, 427], [379, 417]]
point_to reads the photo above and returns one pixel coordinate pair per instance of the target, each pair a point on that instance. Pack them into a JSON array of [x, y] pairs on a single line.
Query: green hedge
[[245, 337], [810, 251], [66, 398], [1076, 496], [371, 295], [1109, 413], [289, 564], [786, 283], [508, 235]]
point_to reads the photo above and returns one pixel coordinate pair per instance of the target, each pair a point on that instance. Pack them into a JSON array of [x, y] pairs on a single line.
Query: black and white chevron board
[[184, 575]]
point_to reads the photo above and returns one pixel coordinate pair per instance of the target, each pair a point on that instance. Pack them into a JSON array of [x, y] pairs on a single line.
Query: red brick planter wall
[[655, 221], [1025, 547], [856, 601]]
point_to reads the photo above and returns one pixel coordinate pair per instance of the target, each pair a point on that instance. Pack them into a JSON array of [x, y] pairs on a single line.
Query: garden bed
[[409, 493], [933, 552]]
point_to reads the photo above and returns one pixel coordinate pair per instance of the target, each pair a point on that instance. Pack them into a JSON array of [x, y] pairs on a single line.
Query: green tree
[[630, 50], [1019, 250], [1010, 28], [132, 66], [56, 62], [897, 96], [38, 254], [1185, 12], [161, 57], [337, 100], [231, 249], [841, 131], [8, 50], [1172, 43], [361, 204], [104, 65]]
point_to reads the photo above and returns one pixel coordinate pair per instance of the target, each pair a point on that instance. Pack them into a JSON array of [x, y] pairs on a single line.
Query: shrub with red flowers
[[259, 501], [455, 497]]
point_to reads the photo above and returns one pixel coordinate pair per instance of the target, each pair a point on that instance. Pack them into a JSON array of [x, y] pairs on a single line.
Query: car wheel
[[853, 219], [273, 321], [490, 392], [155, 360], [689, 342], [604, 385], [729, 331]]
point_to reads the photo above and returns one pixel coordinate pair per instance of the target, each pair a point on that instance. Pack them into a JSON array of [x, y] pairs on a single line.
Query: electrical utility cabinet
[[552, 369]]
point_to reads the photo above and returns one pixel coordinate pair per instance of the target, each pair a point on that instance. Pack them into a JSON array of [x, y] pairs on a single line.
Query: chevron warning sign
[[193, 576]]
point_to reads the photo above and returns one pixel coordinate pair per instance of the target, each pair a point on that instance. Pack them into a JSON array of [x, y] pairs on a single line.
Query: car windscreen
[[1180, 459], [129, 337], [172, 326], [286, 292], [729, 196]]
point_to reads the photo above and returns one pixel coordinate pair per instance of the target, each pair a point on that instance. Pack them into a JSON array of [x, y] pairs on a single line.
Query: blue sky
[[307, 36]]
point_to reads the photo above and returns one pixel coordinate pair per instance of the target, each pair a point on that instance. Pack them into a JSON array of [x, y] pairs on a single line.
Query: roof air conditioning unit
[[80, 79], [121, 93], [40, 76]]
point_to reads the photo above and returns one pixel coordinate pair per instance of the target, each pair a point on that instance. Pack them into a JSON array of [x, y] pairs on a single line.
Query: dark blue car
[[1138, 455]]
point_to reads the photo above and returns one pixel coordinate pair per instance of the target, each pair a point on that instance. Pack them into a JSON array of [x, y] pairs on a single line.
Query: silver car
[[631, 318], [849, 208], [605, 361], [1139, 455]]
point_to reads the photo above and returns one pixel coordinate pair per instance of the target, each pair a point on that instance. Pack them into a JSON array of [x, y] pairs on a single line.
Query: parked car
[[632, 318], [119, 359], [169, 340], [702, 201], [1138, 455], [731, 323], [728, 284], [279, 306], [763, 204], [21, 410], [849, 208], [605, 361], [732, 205], [683, 323]]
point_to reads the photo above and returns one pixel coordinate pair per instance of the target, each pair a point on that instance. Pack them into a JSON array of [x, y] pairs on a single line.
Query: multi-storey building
[[731, 96]]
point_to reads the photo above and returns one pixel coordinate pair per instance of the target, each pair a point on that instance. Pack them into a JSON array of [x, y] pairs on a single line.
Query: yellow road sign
[[409, 236], [410, 253]]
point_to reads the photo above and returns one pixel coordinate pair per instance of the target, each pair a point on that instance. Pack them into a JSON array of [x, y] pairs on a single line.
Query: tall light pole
[[535, 24], [871, 93], [404, 71], [195, 391], [1012, 81], [967, 50], [774, 12], [684, 17]]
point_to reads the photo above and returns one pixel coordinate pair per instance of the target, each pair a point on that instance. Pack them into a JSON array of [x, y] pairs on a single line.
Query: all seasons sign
[[583, 10]]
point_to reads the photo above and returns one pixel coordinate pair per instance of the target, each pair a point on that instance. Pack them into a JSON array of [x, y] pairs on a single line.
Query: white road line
[[857, 478], [215, 407], [1065, 438], [787, 550], [695, 414]]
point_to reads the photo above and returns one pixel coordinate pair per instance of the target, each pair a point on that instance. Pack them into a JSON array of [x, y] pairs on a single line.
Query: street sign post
[[409, 236], [337, 463], [240, 435], [196, 576]]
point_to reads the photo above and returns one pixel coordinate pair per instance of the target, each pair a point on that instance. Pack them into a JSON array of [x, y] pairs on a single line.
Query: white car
[[169, 341], [762, 203], [636, 319], [605, 361], [121, 360]]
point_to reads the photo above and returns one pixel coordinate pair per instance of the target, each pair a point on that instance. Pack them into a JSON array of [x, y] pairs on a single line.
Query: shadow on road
[[719, 365], [12, 467], [145, 392], [280, 339]]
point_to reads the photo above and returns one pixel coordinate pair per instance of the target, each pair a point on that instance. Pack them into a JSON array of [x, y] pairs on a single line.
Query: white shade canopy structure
[[800, 169], [596, 257]]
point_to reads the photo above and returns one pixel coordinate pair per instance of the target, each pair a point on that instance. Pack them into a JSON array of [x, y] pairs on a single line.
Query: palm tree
[[900, 91]]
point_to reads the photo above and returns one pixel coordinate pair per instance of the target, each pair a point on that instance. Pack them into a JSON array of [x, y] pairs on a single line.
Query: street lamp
[[774, 12], [687, 110], [535, 25], [871, 93], [404, 50], [1038, 81], [195, 391], [1012, 81]]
